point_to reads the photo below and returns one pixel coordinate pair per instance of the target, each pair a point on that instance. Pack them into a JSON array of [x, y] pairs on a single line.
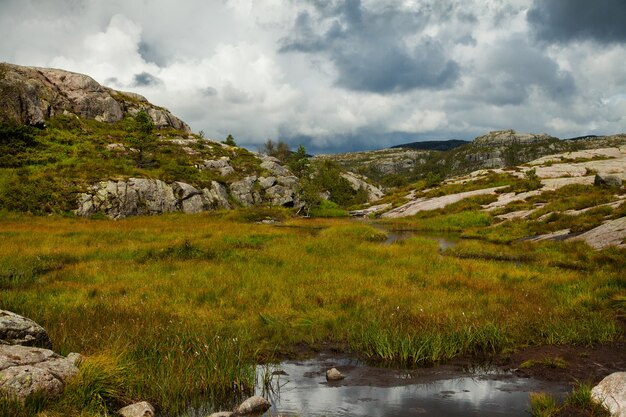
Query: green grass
[[577, 402], [177, 309]]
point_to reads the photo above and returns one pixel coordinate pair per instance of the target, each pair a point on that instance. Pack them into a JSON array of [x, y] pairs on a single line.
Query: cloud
[[145, 79], [371, 51], [578, 20], [340, 75]]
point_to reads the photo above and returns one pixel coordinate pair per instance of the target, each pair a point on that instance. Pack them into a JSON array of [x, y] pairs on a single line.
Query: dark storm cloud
[[145, 79], [567, 20], [370, 50]]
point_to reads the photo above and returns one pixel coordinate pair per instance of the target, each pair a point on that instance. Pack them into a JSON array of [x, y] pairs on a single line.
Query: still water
[[299, 388]]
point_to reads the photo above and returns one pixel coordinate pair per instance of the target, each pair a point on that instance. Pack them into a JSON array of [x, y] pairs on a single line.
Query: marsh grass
[[577, 402], [177, 309]]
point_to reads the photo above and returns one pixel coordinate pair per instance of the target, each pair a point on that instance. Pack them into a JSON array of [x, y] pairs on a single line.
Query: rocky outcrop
[[25, 371], [140, 196], [357, 182], [18, 330], [611, 393], [30, 95], [221, 165], [511, 137]]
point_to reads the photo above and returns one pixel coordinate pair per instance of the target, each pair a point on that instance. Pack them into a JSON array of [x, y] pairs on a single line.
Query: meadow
[[178, 309]]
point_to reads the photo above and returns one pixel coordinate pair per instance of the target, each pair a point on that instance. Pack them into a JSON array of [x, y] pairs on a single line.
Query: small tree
[[230, 141], [299, 162], [141, 137]]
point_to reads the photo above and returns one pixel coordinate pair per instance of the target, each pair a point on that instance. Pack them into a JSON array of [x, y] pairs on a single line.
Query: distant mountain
[[433, 145]]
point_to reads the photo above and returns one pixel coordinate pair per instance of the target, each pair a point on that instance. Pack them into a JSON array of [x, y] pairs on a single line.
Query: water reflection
[[368, 391]]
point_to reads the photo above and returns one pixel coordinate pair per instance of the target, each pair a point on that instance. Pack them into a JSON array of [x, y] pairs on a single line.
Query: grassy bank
[[175, 309]]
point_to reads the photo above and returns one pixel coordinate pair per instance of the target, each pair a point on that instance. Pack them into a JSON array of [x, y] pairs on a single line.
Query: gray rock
[[253, 405], [611, 393], [275, 168], [280, 195], [611, 233], [28, 370], [266, 183], [243, 191], [216, 196], [607, 180], [18, 330], [222, 165], [357, 183], [334, 375], [140, 409], [20, 382], [222, 414]]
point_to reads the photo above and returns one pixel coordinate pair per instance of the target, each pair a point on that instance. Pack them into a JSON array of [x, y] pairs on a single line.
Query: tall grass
[[177, 309]]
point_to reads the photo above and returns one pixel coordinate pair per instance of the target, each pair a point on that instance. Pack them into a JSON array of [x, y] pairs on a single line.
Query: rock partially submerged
[[251, 406], [334, 375], [18, 330], [611, 393]]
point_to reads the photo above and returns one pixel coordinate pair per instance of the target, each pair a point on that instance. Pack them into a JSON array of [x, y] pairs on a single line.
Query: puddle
[[299, 388]]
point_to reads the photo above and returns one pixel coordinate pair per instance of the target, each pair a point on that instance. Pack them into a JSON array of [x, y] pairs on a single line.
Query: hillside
[[498, 149]]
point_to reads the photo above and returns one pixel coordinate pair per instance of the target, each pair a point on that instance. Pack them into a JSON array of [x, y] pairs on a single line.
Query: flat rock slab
[[424, 204], [612, 233], [18, 330], [28, 370]]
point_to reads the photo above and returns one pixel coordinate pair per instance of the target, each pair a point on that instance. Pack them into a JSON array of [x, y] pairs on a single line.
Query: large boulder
[[614, 181], [25, 371], [18, 330], [611, 393]]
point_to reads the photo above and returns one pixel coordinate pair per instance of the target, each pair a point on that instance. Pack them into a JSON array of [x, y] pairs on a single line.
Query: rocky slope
[[577, 195], [496, 149], [30, 95]]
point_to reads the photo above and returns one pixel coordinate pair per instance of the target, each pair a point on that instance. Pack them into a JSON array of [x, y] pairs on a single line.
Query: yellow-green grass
[[179, 308]]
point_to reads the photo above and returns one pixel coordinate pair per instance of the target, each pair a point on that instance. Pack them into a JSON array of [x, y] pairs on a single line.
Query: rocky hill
[[69, 144], [498, 149], [30, 95]]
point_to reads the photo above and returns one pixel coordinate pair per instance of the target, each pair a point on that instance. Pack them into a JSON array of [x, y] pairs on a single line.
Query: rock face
[[140, 196], [30, 95], [611, 392], [28, 370], [140, 409], [511, 137], [18, 330]]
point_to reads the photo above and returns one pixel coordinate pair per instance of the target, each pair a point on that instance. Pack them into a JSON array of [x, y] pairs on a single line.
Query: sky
[[340, 76]]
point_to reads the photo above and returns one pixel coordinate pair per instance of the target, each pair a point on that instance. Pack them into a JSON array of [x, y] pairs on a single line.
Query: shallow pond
[[299, 388]]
